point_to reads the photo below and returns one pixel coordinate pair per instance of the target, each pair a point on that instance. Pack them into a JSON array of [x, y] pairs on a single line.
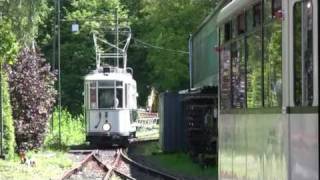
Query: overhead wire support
[[160, 48]]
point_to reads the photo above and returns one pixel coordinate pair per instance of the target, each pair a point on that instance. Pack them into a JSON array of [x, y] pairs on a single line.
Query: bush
[[8, 50], [32, 97], [9, 141], [72, 130]]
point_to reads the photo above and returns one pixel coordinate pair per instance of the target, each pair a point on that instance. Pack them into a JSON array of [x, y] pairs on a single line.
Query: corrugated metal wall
[[172, 124]]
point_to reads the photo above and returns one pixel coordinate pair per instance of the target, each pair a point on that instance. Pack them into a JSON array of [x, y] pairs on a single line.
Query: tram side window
[[93, 95], [126, 96], [303, 53], [119, 94], [272, 64], [254, 70]]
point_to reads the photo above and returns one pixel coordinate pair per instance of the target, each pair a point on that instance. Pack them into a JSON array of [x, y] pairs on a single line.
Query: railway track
[[111, 164]]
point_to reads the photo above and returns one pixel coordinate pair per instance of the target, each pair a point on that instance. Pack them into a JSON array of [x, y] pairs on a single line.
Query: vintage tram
[[110, 96]]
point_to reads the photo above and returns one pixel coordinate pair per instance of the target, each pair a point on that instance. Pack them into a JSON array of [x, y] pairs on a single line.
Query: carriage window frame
[[276, 6], [251, 66], [257, 14], [241, 23], [303, 95], [225, 76], [255, 22], [238, 73], [228, 31]]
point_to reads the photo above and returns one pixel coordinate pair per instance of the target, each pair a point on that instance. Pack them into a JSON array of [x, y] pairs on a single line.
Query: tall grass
[[72, 130]]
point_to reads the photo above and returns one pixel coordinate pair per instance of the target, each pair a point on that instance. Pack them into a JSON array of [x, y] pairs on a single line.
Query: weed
[[72, 130]]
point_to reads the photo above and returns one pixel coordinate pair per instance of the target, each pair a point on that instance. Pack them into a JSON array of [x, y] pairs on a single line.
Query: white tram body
[[111, 98], [268, 120]]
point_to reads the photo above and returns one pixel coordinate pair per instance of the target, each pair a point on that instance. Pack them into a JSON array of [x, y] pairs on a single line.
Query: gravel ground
[[107, 156], [77, 157], [90, 171]]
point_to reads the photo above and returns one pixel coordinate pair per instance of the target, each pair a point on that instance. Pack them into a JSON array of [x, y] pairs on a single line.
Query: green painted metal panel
[[205, 61]]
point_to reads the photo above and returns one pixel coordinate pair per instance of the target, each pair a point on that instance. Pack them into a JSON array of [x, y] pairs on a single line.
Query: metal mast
[[59, 74], [117, 36]]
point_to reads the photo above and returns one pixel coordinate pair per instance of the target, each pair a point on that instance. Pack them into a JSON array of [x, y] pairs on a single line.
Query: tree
[[25, 17], [164, 24], [32, 96], [77, 49]]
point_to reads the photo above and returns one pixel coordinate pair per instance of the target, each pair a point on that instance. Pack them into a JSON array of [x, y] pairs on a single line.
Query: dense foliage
[[9, 139], [166, 24], [72, 130], [8, 50], [8, 45], [77, 49], [25, 17], [32, 96], [18, 27]]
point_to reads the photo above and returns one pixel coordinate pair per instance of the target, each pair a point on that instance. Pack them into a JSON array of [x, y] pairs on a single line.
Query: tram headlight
[[106, 127]]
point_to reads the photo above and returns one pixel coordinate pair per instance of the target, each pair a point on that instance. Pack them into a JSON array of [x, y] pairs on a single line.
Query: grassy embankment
[[178, 163], [50, 161], [49, 165]]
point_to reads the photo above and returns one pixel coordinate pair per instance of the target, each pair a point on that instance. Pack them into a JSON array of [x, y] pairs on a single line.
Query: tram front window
[[106, 98]]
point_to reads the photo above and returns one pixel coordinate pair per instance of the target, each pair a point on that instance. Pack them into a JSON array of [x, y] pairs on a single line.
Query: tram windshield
[[109, 94], [106, 98]]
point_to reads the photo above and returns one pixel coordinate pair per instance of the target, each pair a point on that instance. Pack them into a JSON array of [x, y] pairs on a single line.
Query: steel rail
[[146, 169], [91, 156]]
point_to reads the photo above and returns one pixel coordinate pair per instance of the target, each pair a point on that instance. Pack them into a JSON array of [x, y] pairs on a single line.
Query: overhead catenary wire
[[160, 48]]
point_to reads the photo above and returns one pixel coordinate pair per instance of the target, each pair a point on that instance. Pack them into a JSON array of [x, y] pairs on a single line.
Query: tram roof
[[126, 77], [233, 8]]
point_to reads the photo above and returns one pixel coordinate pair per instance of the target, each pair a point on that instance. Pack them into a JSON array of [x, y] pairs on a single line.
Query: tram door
[[303, 109]]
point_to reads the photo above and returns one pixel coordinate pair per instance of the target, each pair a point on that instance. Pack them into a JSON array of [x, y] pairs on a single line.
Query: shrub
[[72, 130], [8, 50], [9, 141], [32, 97]]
